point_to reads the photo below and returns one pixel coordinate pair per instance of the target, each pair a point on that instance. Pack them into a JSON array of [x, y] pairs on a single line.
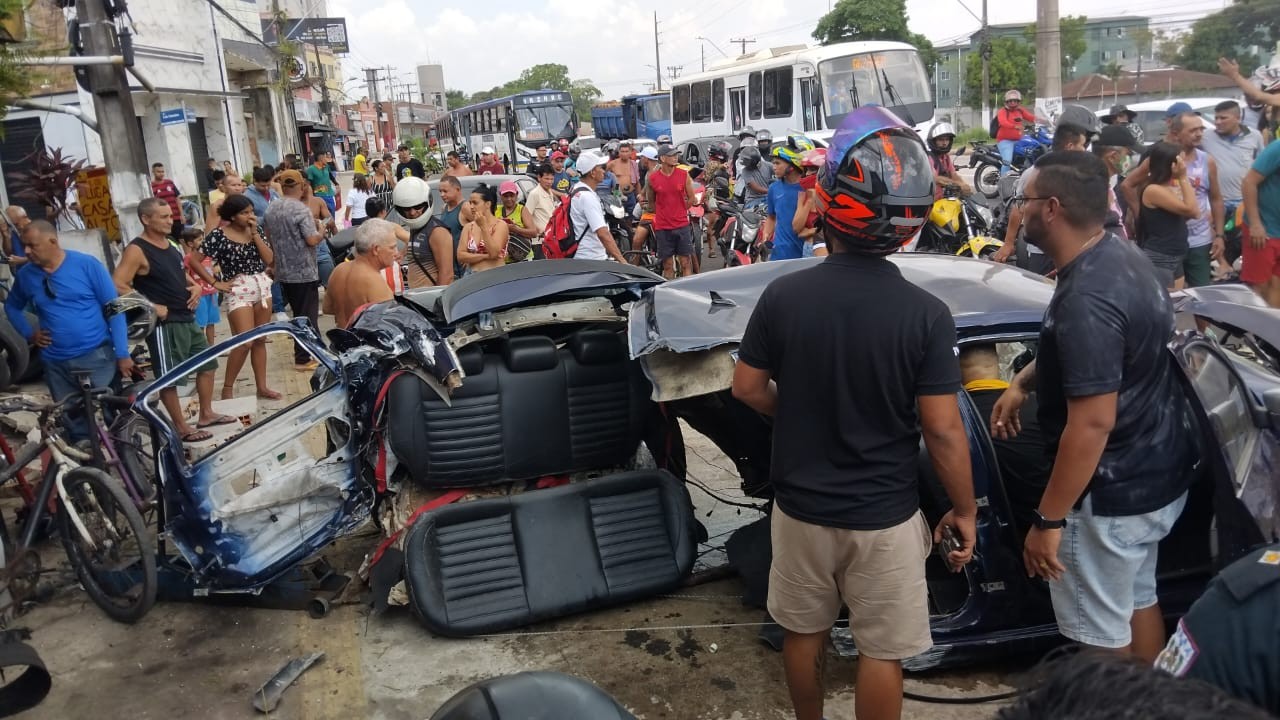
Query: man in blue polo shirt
[[69, 290]]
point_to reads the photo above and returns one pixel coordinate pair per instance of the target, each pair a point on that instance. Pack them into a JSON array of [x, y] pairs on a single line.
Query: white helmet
[[939, 130], [410, 193]]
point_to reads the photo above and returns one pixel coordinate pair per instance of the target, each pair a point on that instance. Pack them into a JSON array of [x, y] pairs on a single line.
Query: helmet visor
[[856, 127]]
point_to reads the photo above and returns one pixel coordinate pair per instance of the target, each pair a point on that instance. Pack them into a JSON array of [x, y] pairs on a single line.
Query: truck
[[634, 116]]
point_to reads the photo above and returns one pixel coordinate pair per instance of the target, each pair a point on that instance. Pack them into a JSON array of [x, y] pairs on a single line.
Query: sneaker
[[281, 317]]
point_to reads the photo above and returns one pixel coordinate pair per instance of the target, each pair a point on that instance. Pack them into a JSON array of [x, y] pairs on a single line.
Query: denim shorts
[[1111, 571]]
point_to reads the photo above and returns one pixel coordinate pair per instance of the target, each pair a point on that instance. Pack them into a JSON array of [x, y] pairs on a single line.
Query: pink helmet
[[814, 158]]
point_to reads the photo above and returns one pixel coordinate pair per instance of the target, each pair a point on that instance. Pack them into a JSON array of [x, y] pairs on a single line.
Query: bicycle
[[98, 522]]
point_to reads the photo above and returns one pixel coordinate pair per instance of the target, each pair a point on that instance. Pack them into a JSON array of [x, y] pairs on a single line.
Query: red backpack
[[558, 240]]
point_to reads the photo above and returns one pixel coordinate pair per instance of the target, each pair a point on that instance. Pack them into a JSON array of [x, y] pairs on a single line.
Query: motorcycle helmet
[[788, 155], [1081, 117], [139, 315], [719, 151], [611, 148], [800, 143], [764, 136], [939, 131], [410, 193], [876, 188], [746, 132], [1013, 95], [664, 139], [750, 157]]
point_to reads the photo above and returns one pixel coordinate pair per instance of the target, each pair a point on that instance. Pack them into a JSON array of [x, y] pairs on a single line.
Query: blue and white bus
[[516, 125]]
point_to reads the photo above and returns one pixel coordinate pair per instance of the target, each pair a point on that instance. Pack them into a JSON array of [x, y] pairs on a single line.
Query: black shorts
[[674, 242]]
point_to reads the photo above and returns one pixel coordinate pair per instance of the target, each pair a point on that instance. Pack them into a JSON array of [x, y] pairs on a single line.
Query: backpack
[[420, 246], [558, 240], [994, 128]]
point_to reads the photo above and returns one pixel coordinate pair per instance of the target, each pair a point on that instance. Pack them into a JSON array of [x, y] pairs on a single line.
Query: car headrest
[[471, 359], [530, 354], [596, 347]]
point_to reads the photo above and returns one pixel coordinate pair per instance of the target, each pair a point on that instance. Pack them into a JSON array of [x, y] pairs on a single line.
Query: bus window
[[700, 101], [777, 92], [847, 83], [754, 101], [680, 104], [901, 72], [717, 100]]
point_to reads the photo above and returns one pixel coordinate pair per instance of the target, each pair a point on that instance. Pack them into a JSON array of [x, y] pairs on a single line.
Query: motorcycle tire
[[34, 371], [101, 494], [986, 180], [16, 351]]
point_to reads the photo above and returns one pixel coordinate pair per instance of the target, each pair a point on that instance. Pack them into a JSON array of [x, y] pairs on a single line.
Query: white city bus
[[515, 125], [809, 89]]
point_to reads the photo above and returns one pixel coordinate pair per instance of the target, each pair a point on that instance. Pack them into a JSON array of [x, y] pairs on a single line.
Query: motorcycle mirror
[[962, 151], [1271, 399]]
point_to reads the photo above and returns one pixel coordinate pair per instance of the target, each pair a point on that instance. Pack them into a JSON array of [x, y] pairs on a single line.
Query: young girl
[[207, 313], [483, 245], [1166, 202]]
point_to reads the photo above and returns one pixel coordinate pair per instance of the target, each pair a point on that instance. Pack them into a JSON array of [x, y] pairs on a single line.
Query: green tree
[[585, 94], [15, 80], [1012, 66], [455, 98], [552, 76], [1071, 41], [1112, 70], [1232, 31], [851, 20], [1168, 47]]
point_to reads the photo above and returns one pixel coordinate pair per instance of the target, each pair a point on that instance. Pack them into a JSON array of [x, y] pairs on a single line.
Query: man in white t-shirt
[[586, 214]]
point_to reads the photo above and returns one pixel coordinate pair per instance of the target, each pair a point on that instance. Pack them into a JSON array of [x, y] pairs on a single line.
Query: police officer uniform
[[1230, 637]]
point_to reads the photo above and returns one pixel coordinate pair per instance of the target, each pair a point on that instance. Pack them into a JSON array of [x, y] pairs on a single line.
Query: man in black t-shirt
[[1231, 636], [409, 166], [850, 390], [1112, 410]]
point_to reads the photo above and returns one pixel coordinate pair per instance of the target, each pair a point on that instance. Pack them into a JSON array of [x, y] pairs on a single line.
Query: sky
[[483, 44]]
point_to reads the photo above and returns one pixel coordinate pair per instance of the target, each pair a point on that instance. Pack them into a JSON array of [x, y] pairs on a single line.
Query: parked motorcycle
[[986, 158], [738, 239], [958, 226], [616, 216]]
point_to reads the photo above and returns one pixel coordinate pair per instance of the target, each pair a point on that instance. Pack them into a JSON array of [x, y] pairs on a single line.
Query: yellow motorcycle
[[958, 226]]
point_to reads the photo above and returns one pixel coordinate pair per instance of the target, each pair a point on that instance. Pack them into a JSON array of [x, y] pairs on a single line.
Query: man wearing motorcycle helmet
[[764, 139], [780, 205], [746, 138], [941, 135], [1009, 122], [431, 241], [754, 176], [807, 334]]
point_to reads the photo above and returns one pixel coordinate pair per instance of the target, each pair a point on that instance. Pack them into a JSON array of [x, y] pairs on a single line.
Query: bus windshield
[[894, 79], [544, 122], [656, 109]]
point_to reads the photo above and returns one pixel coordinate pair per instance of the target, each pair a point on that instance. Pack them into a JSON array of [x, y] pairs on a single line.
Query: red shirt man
[[1012, 116], [489, 164], [164, 189], [669, 193]]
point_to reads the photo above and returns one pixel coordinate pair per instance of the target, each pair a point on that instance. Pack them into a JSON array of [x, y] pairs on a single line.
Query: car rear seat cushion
[[537, 695], [528, 410], [492, 565]]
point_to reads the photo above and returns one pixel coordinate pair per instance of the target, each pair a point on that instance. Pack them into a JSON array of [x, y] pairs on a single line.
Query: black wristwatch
[[1043, 523]]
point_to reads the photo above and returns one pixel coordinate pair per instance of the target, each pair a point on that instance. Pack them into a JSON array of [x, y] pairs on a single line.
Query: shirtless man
[[456, 168], [621, 168], [360, 282]]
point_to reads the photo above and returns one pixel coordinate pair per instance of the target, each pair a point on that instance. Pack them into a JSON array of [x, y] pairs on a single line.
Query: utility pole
[[657, 60], [743, 42], [371, 77], [1048, 59], [326, 109], [118, 128], [985, 49], [703, 48]]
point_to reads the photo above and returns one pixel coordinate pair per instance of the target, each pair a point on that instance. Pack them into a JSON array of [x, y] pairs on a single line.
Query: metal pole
[[326, 111], [985, 49], [121, 135], [1048, 59], [657, 59]]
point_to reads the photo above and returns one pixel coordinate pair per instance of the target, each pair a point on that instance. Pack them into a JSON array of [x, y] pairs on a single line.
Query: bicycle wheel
[[131, 438], [118, 569], [644, 259]]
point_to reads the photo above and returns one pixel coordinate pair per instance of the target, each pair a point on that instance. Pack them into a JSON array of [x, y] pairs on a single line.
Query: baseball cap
[[558, 155], [665, 150], [589, 160], [289, 178], [486, 150], [1117, 136], [508, 186], [1177, 109], [649, 152]]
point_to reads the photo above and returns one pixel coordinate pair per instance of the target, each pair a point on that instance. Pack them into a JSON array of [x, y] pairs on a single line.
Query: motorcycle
[[615, 214], [958, 226], [738, 239], [987, 161]]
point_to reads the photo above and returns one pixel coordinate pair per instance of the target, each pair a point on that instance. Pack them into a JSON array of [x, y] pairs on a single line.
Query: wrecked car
[[685, 334]]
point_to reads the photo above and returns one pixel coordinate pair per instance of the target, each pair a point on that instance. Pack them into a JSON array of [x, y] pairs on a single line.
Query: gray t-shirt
[[762, 175], [287, 224], [1234, 155]]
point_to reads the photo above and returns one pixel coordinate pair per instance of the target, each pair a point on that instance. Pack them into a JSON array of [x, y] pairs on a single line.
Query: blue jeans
[[60, 376], [277, 298], [324, 262], [1006, 155]]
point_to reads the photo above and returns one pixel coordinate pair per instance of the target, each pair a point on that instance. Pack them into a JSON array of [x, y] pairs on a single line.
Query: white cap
[[487, 150], [649, 152], [589, 160]]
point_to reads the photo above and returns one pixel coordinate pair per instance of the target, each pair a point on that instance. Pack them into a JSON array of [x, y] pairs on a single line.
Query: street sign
[[176, 116], [325, 32]]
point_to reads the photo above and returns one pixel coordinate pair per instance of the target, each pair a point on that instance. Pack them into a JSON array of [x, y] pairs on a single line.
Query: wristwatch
[[1043, 523]]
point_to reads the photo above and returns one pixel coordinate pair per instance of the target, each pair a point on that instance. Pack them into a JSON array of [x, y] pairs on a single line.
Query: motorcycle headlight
[[985, 213]]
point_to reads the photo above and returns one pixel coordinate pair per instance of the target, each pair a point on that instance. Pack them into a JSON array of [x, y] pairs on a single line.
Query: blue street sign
[[176, 116]]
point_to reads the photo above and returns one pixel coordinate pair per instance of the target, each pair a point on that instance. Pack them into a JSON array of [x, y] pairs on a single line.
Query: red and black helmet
[[876, 188]]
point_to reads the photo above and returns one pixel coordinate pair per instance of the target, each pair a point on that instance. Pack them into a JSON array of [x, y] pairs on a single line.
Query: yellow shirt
[[216, 195], [360, 166]]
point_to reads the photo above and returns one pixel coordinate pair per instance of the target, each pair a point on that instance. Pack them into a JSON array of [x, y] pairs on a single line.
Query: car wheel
[[16, 350]]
